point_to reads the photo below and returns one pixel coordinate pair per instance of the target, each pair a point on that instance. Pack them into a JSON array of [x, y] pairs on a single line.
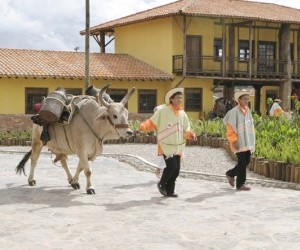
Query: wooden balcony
[[235, 68]]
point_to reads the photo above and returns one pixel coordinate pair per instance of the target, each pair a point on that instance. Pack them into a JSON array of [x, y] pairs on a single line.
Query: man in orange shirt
[[276, 110], [240, 134], [173, 129]]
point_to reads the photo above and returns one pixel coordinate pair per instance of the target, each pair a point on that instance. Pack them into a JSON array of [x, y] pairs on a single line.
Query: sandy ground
[[127, 212]]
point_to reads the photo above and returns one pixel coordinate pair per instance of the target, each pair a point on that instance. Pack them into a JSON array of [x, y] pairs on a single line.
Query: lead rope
[[113, 125]]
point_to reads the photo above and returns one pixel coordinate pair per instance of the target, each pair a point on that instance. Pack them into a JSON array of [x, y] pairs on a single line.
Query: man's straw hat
[[172, 92]]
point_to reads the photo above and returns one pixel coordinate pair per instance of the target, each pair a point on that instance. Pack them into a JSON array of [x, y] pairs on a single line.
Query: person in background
[[241, 135], [173, 129], [276, 110]]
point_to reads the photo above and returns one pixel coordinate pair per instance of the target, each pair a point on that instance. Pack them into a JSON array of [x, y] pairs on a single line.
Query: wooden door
[[194, 54]]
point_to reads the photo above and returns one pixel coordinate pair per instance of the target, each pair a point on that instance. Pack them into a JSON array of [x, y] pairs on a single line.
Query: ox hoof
[[75, 186], [90, 191], [32, 183]]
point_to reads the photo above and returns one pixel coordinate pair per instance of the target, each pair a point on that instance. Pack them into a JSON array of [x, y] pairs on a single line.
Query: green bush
[[26, 135]]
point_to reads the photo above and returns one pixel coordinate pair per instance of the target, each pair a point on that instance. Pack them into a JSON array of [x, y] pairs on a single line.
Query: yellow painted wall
[[14, 102], [164, 38], [12, 95], [149, 41]]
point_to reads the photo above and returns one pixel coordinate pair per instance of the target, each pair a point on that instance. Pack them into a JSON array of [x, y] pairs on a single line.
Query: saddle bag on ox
[[53, 107], [51, 111]]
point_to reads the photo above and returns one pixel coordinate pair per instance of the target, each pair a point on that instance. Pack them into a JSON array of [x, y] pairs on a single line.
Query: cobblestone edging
[[143, 165]]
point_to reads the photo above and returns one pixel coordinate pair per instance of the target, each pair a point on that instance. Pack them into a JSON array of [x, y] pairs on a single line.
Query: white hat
[[277, 100], [240, 95], [172, 92]]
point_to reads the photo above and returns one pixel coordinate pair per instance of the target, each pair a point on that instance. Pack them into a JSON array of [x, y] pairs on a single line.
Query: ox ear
[[101, 99], [126, 97]]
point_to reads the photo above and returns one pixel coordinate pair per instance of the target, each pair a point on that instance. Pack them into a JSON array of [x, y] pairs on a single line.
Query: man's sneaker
[[162, 190], [174, 195], [244, 187], [231, 180]]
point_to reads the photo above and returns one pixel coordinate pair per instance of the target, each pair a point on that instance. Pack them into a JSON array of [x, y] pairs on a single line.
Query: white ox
[[91, 125]]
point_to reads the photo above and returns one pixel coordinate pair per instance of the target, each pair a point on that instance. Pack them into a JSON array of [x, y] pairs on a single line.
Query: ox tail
[[21, 167]]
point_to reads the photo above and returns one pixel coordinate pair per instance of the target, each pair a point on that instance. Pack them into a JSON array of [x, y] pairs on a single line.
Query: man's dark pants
[[240, 169], [170, 173]]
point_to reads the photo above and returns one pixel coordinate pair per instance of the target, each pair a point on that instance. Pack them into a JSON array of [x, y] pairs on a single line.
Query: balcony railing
[[235, 67]]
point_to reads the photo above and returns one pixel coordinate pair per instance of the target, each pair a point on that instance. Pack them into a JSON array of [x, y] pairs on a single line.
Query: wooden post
[[257, 98], [251, 165], [297, 173], [184, 47], [223, 47], [283, 170], [102, 41], [87, 44], [271, 168], [266, 171], [288, 173], [278, 169], [231, 49], [285, 60], [256, 164], [292, 175], [200, 140], [250, 50]]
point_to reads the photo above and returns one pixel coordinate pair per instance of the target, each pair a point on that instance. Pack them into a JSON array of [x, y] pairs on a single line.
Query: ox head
[[93, 91], [117, 114]]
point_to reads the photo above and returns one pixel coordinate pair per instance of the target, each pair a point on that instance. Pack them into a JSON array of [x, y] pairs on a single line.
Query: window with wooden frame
[[33, 96], [74, 91], [117, 94], [244, 50], [218, 50], [193, 98], [146, 100], [266, 56]]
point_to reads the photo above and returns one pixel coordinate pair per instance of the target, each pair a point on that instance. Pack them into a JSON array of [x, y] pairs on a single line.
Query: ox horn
[[127, 96], [101, 99]]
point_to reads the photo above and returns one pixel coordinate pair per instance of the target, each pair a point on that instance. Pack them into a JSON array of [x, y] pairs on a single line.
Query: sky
[[55, 24]]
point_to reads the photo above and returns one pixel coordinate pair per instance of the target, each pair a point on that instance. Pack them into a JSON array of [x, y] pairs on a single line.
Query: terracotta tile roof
[[64, 64], [211, 8]]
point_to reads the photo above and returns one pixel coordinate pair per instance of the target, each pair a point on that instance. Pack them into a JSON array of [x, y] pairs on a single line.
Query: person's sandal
[[244, 187], [231, 180]]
